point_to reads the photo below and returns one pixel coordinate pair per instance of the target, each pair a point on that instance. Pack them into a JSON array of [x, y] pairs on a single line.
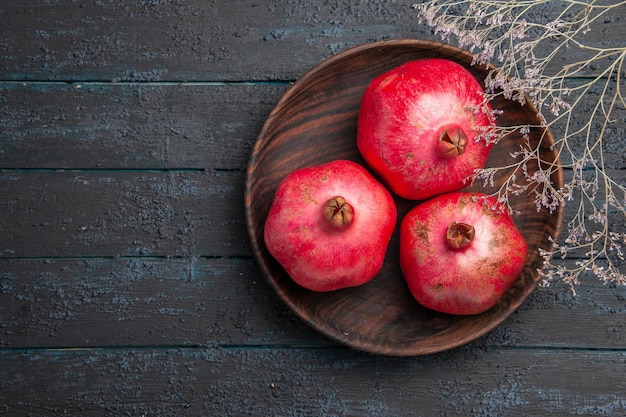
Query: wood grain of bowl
[[315, 122]]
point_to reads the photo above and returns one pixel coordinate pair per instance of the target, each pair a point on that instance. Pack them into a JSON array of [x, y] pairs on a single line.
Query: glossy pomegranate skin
[[402, 117], [467, 280], [316, 254]]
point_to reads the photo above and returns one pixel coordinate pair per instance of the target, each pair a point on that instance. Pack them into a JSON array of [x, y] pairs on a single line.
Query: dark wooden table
[[127, 285]]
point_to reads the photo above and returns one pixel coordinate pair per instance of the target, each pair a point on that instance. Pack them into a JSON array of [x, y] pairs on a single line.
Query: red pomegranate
[[419, 127], [329, 225], [460, 252]]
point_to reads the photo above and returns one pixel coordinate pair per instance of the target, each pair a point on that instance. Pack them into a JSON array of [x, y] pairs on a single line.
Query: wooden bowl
[[315, 122]]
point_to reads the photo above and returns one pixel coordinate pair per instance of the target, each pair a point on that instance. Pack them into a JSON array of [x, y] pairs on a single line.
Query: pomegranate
[[419, 127], [460, 252], [329, 225]]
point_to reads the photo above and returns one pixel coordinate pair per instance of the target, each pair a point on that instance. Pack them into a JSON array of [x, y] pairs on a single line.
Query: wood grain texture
[[143, 301], [61, 303], [138, 126], [99, 213], [201, 40], [295, 382], [121, 213], [166, 125]]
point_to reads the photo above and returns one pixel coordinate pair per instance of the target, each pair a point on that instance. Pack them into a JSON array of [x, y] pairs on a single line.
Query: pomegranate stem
[[338, 213], [452, 142], [459, 235]]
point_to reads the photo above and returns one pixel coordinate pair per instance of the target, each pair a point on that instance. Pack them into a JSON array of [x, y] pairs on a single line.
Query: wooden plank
[[199, 40], [122, 213], [189, 301], [295, 382], [129, 213], [556, 317], [138, 126], [142, 302], [161, 126]]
